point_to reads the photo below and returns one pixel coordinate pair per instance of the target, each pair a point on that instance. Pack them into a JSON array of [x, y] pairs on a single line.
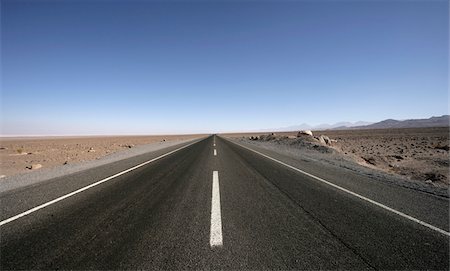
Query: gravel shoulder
[[326, 156]]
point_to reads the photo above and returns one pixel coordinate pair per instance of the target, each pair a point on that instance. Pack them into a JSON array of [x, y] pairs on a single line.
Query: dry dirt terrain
[[420, 154], [21, 155]]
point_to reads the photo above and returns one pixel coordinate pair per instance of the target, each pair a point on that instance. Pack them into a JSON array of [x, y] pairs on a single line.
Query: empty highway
[[215, 204]]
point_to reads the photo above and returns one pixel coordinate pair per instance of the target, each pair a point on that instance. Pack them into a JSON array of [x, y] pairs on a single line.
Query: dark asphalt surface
[[158, 217]]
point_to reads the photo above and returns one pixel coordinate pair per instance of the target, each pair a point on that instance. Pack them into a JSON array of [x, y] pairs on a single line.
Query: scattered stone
[[66, 162], [445, 148], [268, 137], [127, 146], [434, 177], [2, 176], [321, 139], [91, 150], [370, 160], [324, 140], [34, 166], [20, 152], [429, 181], [304, 132]]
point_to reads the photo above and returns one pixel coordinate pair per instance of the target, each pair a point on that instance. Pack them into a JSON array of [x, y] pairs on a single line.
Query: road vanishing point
[[214, 203]]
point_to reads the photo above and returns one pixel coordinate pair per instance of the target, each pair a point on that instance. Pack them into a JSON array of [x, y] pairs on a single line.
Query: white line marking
[[87, 187], [214, 144], [354, 194], [215, 239], [215, 152]]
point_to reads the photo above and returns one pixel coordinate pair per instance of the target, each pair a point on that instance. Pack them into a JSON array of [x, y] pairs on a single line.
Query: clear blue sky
[[140, 67]]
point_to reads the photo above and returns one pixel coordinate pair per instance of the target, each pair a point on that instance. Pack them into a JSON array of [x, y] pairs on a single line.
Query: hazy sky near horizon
[[140, 67]]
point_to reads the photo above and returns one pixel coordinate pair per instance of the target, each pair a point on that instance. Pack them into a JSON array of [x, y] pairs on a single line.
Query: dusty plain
[[418, 154], [22, 155]]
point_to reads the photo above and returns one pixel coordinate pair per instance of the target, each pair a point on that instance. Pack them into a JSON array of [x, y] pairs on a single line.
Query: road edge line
[[32, 210], [411, 218]]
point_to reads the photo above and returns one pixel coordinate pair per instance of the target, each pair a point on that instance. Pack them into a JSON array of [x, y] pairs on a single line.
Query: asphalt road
[[260, 215]]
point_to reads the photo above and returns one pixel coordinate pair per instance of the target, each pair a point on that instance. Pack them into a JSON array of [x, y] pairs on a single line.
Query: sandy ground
[[22, 155], [418, 154]]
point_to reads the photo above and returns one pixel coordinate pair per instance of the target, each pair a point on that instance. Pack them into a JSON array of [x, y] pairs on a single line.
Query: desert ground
[[419, 154], [21, 155]]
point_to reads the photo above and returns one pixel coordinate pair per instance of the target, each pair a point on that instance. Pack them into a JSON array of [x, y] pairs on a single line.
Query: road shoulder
[[42, 175]]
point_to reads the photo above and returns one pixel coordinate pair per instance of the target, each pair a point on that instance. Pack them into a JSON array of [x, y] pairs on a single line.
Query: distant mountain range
[[442, 121], [305, 126]]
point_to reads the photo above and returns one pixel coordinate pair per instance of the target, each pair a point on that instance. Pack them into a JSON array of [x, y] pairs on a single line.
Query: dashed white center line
[[215, 239], [215, 152]]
